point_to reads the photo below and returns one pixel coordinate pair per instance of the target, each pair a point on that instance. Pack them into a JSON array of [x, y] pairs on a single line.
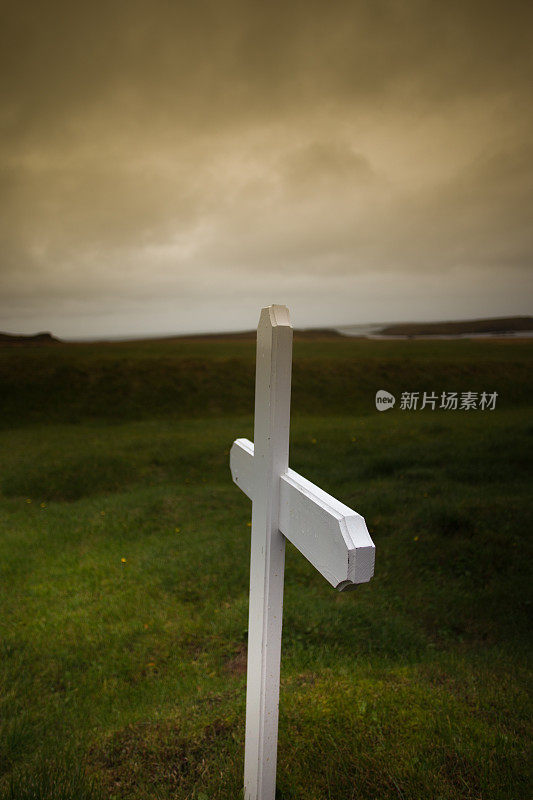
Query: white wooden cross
[[330, 535]]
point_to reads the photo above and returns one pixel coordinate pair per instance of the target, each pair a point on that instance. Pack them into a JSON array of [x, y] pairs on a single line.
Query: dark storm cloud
[[169, 150], [214, 59]]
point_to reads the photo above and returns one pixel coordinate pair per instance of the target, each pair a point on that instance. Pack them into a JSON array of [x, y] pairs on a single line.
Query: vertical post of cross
[[267, 566]]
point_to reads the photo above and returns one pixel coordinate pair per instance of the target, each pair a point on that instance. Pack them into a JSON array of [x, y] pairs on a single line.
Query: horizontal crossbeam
[[332, 536]]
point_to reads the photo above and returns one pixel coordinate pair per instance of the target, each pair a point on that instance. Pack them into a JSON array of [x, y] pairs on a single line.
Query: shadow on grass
[[64, 779], [156, 759]]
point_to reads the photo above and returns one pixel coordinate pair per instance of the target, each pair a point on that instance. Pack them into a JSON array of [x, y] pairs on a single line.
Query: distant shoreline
[[498, 326], [494, 327], [478, 328]]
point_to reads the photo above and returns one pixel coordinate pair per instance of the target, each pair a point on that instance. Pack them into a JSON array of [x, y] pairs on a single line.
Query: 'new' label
[[384, 400]]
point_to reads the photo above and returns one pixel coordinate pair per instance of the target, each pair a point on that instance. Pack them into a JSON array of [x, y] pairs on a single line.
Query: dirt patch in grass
[[154, 755], [237, 664]]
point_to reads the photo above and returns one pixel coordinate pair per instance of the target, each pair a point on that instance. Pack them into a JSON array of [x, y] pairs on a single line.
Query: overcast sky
[[170, 166]]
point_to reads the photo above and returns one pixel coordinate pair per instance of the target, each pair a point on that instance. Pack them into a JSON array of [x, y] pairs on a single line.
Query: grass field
[[124, 553]]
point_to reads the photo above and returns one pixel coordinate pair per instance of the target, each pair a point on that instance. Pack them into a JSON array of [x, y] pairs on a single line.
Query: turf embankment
[[124, 552], [189, 378]]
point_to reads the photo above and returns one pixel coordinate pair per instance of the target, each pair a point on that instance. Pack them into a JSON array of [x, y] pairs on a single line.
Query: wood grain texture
[[267, 564], [332, 536]]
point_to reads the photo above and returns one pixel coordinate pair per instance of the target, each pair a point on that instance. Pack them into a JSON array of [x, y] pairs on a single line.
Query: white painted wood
[[241, 464], [332, 536], [271, 436]]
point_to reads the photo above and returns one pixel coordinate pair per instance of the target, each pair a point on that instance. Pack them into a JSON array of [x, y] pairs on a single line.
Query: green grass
[[126, 679], [184, 379]]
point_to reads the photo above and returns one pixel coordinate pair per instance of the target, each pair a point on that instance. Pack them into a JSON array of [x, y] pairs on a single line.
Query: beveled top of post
[[275, 316]]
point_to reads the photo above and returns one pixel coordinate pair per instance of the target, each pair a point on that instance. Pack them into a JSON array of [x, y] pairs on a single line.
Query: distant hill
[[495, 326], [36, 338], [299, 333], [230, 336], [492, 326]]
